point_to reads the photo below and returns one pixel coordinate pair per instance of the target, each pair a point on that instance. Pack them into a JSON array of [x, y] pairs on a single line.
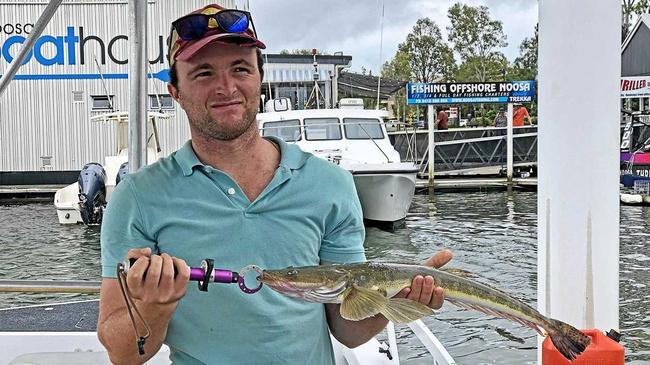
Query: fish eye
[[292, 272]]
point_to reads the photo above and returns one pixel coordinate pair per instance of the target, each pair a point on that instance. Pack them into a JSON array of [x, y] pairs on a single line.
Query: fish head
[[305, 282]]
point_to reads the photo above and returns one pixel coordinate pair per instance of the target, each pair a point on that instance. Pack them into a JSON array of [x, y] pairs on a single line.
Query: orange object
[[601, 351]]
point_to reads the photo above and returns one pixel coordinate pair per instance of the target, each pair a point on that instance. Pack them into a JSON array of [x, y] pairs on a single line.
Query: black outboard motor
[[121, 173], [92, 193]]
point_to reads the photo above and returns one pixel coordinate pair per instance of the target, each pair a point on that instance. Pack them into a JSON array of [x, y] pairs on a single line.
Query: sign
[[472, 92], [635, 87]]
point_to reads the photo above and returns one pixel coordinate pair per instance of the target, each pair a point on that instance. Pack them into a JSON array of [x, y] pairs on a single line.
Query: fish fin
[[460, 272], [496, 313], [402, 310], [567, 339], [360, 303]]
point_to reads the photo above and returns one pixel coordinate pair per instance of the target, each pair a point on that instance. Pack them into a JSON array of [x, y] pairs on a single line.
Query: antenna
[[268, 79], [315, 91], [101, 75], [155, 90], [381, 41]]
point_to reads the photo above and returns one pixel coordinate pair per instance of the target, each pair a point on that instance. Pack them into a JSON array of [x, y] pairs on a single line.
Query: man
[[520, 116], [237, 198], [442, 120], [501, 119]]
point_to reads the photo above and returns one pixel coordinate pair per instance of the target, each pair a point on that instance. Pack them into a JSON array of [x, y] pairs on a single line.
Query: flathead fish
[[367, 289]]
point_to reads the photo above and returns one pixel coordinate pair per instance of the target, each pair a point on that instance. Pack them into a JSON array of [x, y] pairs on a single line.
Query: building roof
[[356, 85], [635, 52]]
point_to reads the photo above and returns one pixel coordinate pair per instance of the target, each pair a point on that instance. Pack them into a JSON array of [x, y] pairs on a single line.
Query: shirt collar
[[187, 159], [292, 157]]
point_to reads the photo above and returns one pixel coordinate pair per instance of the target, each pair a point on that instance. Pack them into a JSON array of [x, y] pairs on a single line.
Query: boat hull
[[385, 192]]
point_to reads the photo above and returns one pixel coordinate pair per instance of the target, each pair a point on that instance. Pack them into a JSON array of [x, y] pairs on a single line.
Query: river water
[[491, 234]]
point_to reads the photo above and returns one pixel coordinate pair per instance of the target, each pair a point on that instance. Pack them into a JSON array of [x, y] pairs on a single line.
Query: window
[[363, 128], [287, 130], [77, 96], [102, 102], [166, 100], [322, 129]]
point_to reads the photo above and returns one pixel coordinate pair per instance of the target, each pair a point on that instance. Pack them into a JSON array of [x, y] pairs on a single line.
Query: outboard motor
[[92, 193], [121, 173]]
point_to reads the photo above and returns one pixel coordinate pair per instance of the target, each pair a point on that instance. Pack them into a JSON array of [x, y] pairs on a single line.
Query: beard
[[210, 128]]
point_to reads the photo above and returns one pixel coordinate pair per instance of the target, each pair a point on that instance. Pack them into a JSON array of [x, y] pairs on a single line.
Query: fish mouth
[[314, 292], [282, 285]]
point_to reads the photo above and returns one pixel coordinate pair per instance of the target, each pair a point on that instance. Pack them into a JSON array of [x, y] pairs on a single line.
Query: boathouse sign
[[470, 92]]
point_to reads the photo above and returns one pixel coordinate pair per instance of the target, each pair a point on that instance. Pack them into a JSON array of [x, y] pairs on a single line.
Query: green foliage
[[525, 66], [475, 36], [302, 51], [398, 68], [429, 57], [630, 8], [496, 69]]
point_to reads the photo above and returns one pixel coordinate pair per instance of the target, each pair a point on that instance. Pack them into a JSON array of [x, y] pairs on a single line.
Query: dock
[[31, 192], [475, 184]]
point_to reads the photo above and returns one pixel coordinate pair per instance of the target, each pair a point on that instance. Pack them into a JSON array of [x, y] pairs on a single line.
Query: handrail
[[49, 286], [373, 141]]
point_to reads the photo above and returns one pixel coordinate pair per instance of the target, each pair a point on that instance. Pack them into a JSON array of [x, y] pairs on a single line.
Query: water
[[491, 234]]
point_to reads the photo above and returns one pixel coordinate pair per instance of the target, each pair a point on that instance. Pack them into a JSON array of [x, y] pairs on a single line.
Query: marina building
[[78, 70]]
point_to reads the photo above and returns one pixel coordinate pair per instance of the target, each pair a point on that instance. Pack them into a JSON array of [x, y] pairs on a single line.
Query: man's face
[[219, 89]]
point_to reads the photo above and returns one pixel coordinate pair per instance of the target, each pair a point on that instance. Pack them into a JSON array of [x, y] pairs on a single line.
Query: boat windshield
[[362, 128], [287, 130], [321, 129]]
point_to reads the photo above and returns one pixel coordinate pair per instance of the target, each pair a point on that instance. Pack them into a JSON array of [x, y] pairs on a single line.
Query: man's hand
[[157, 279], [423, 289], [157, 283]]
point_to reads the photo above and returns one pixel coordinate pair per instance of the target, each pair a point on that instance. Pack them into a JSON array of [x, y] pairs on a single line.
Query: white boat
[[84, 201], [356, 140], [58, 334]]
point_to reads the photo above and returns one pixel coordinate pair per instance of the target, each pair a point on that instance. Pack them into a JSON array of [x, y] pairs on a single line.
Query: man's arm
[[156, 295], [423, 290]]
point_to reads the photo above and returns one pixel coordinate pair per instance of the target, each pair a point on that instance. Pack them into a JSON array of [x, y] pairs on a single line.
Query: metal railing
[[461, 150]]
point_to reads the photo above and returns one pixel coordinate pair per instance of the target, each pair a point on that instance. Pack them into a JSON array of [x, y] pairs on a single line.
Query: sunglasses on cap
[[194, 26]]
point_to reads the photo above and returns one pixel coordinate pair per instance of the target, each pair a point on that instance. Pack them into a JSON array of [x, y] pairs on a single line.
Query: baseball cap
[[205, 26]]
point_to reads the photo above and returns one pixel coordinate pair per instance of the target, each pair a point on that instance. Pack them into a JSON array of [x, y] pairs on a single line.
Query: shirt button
[[231, 191]]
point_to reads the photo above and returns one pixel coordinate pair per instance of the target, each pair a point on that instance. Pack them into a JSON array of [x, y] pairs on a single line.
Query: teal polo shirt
[[308, 213]]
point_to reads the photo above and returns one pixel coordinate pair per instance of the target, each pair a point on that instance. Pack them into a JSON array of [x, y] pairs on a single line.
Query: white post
[[137, 84], [509, 144], [432, 144], [578, 193]]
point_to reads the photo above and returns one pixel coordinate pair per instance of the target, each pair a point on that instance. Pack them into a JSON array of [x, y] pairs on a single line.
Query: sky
[[354, 26]]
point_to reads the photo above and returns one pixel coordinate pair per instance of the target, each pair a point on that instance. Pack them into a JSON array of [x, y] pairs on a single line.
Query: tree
[[496, 69], [476, 37], [525, 66], [302, 51], [398, 68], [428, 55], [631, 7]]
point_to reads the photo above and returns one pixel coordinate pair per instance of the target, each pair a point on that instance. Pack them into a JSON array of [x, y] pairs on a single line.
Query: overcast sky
[[353, 26]]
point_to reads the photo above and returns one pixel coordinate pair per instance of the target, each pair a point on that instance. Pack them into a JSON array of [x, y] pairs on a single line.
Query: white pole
[[578, 201], [432, 144], [137, 84], [509, 144], [381, 41]]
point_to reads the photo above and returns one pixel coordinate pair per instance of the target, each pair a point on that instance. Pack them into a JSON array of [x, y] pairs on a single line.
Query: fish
[[366, 289]]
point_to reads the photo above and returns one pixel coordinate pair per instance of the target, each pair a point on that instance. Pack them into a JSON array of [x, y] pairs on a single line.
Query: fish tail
[[567, 339]]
